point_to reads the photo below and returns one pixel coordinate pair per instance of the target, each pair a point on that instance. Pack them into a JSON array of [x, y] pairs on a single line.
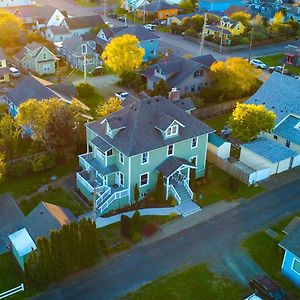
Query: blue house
[[217, 5], [291, 245], [148, 40]]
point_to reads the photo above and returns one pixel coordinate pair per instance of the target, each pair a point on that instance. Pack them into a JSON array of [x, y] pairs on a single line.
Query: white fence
[[15, 290]]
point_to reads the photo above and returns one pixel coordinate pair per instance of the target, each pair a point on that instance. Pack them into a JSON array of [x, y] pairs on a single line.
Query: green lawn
[[30, 183], [12, 276], [215, 187], [56, 196], [219, 122], [269, 255], [193, 283], [277, 59]]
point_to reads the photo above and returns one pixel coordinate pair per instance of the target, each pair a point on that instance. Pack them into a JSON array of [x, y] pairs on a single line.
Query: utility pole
[[104, 8], [84, 67], [125, 20], [221, 43], [144, 14], [250, 45], [203, 34]]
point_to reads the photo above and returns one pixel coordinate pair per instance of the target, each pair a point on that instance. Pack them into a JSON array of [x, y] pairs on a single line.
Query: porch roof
[[101, 144], [171, 165], [102, 169]]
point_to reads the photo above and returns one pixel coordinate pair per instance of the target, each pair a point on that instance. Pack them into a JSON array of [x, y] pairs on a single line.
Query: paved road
[[211, 242]]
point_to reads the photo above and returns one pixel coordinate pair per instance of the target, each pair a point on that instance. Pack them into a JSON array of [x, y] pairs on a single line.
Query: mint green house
[[132, 146]]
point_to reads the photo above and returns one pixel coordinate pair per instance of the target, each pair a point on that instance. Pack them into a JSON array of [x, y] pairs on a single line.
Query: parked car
[[163, 22], [112, 15], [258, 63], [278, 69], [14, 72], [97, 71], [122, 19], [266, 288], [121, 95], [150, 27]]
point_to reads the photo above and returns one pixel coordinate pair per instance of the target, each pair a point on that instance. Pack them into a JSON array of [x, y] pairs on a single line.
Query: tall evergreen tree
[[160, 192]]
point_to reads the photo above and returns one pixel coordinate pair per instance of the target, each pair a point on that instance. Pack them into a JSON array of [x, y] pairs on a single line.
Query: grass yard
[[277, 59], [215, 187], [269, 255], [193, 283], [30, 183], [219, 122], [56, 196], [12, 276]]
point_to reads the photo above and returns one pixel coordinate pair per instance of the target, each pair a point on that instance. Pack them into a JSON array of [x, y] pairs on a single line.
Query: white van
[[14, 72]]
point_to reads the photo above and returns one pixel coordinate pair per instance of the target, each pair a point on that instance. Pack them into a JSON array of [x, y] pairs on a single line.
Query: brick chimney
[[174, 94]]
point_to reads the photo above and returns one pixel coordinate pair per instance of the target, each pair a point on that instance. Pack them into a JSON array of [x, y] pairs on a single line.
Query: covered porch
[[176, 173]]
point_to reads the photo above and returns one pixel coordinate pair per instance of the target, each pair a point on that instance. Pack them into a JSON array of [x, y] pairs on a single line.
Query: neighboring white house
[[8, 3], [265, 154], [56, 34], [218, 146]]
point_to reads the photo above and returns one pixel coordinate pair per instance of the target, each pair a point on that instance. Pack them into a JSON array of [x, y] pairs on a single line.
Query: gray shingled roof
[[34, 46], [270, 150], [179, 67], [57, 30], [279, 93], [46, 217], [73, 43], [217, 28], [140, 133], [139, 31], [29, 88], [288, 130], [84, 22], [291, 241], [292, 225], [157, 5], [171, 164]]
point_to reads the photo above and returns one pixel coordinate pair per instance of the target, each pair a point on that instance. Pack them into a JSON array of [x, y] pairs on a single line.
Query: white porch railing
[[174, 192], [106, 194], [85, 182], [112, 198], [15, 290], [83, 157], [187, 187]]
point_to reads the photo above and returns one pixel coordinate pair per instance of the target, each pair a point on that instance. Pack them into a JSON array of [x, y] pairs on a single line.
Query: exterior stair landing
[[187, 208]]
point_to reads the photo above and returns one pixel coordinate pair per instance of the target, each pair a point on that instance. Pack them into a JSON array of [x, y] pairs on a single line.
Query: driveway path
[[210, 242]]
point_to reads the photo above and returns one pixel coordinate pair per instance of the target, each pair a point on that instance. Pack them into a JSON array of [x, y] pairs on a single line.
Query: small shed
[[218, 146], [22, 245], [290, 244]]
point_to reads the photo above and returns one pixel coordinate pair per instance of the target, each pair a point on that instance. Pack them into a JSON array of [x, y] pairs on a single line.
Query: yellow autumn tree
[[278, 19], [10, 28], [241, 16], [123, 54], [248, 120], [235, 78], [110, 106]]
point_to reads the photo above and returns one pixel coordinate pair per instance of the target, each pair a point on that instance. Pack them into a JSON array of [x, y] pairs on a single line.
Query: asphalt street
[[215, 242]]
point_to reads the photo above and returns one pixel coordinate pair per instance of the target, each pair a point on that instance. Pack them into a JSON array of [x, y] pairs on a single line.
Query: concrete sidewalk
[[202, 216]]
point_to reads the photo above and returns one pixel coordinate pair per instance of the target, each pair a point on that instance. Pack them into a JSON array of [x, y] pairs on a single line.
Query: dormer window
[[108, 130], [172, 130]]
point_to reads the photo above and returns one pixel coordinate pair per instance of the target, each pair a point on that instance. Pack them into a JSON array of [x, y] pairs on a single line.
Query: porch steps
[[182, 192], [188, 208]]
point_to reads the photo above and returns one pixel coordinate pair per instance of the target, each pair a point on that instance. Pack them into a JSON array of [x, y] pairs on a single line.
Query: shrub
[[85, 90], [136, 222], [43, 162], [125, 226], [191, 32], [132, 80], [136, 237], [173, 201], [149, 229], [20, 168], [136, 193]]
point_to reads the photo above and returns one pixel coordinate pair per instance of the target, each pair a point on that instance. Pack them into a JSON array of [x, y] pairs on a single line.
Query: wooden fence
[[15, 290], [230, 168]]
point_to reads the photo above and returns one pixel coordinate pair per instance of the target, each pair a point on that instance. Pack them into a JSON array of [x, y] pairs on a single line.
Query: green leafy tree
[[160, 89], [248, 120], [132, 79], [197, 22], [187, 6], [2, 167], [111, 105]]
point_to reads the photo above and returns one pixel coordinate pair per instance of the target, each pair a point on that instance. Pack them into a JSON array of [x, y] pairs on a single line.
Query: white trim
[[284, 257], [147, 161], [147, 173], [129, 180], [193, 147], [171, 127], [173, 150], [121, 160], [293, 262]]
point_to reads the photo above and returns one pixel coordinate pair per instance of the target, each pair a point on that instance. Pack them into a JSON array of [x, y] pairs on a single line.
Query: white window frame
[[147, 173], [172, 130], [196, 160], [298, 261], [147, 160], [121, 178], [121, 158], [196, 145], [173, 148]]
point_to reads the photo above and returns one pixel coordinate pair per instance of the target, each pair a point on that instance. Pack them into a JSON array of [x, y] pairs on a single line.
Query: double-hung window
[[121, 179], [144, 179], [145, 158], [170, 150], [172, 130], [296, 266], [121, 158], [194, 142]]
